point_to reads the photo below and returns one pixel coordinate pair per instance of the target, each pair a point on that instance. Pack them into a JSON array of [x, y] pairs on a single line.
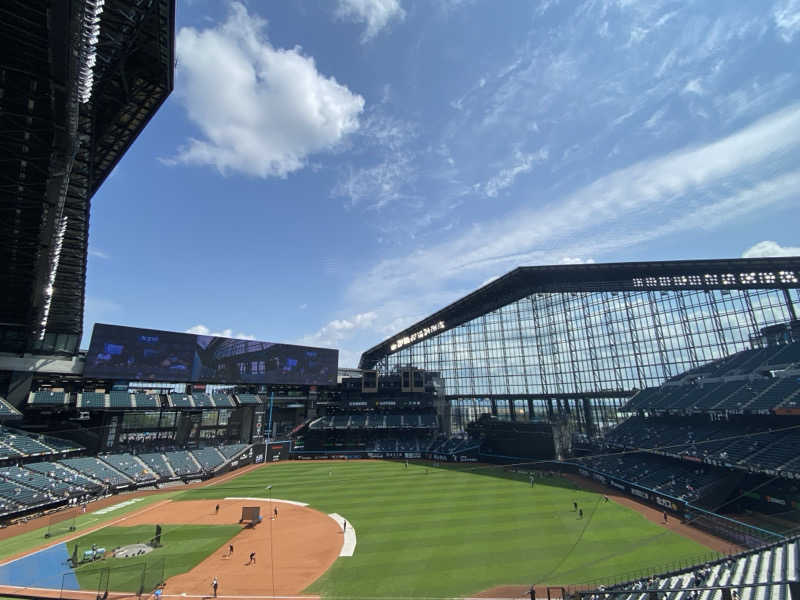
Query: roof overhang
[[724, 274]]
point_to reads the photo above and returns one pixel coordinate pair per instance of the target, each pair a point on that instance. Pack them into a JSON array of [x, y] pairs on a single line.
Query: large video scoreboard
[[134, 354]]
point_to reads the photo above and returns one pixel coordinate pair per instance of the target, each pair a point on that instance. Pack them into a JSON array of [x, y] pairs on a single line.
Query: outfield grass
[[34, 539], [425, 531], [183, 547]]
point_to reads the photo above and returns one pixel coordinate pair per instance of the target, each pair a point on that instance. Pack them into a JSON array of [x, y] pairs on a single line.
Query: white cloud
[[339, 329], [388, 139], [376, 14], [380, 184], [695, 86], [770, 248], [505, 178], [261, 110], [303, 306], [575, 260], [655, 118], [787, 19], [694, 188], [201, 329], [99, 254]]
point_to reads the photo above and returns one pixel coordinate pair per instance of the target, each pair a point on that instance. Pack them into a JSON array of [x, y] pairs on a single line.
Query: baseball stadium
[[623, 431]]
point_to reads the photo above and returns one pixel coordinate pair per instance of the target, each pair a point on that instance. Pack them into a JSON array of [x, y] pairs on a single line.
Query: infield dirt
[[297, 547]]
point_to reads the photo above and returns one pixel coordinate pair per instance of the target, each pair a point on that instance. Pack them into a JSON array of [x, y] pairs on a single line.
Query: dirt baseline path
[[297, 547]]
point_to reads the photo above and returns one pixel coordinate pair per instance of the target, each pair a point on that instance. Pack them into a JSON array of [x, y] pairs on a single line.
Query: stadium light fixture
[[49, 289], [90, 37]]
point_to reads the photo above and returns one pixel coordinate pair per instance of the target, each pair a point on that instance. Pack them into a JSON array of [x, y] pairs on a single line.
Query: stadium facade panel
[[580, 339]]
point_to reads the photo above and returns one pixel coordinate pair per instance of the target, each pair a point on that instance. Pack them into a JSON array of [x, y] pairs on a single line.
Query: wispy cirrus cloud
[[375, 14], [786, 15], [694, 188], [374, 185], [99, 254], [520, 163]]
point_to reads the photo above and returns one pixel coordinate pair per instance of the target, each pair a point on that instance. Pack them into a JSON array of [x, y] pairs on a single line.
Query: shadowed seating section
[[130, 466], [182, 463], [223, 400], [231, 450], [180, 400], [91, 400], [97, 469], [48, 398], [57, 471], [202, 400], [119, 399], [157, 463], [147, 401], [6, 410], [209, 458], [248, 399]]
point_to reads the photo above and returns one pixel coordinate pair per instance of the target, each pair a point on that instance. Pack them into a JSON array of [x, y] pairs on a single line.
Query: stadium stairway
[[132, 467], [158, 462]]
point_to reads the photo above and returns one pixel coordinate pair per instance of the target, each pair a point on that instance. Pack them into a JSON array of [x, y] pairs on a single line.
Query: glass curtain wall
[[588, 342]]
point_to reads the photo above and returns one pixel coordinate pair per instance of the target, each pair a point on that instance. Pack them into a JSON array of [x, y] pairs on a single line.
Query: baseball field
[[419, 531]]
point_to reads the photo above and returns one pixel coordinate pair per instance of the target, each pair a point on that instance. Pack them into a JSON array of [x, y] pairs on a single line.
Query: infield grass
[[443, 532], [183, 547]]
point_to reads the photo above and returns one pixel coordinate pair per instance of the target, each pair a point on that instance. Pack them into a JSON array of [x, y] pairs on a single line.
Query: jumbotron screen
[[118, 352]]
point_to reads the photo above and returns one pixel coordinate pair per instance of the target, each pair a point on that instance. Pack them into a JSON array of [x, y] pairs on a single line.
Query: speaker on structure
[[369, 382], [405, 380], [417, 380]]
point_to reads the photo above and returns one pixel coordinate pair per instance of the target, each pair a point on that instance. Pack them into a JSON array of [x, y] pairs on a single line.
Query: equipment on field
[[251, 516]]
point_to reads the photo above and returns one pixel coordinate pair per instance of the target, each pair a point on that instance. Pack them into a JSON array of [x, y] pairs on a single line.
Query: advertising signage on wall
[[416, 336], [118, 352]]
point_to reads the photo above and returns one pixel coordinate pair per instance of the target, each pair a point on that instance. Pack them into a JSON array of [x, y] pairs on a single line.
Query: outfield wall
[[466, 457]]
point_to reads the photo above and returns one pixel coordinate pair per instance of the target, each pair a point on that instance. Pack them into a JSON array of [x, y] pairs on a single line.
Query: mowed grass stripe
[[457, 531]]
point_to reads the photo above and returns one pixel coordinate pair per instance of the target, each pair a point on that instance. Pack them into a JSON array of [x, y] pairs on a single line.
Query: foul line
[[84, 532], [267, 500], [349, 541]]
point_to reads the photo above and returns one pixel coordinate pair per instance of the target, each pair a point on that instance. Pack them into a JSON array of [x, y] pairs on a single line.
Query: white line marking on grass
[[85, 532], [349, 541], [114, 507], [268, 500]]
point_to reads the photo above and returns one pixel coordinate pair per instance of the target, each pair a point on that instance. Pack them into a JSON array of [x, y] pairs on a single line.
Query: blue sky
[[329, 172]]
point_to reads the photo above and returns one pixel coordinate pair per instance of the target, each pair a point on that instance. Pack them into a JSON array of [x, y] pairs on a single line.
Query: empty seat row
[[765, 567], [130, 466]]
